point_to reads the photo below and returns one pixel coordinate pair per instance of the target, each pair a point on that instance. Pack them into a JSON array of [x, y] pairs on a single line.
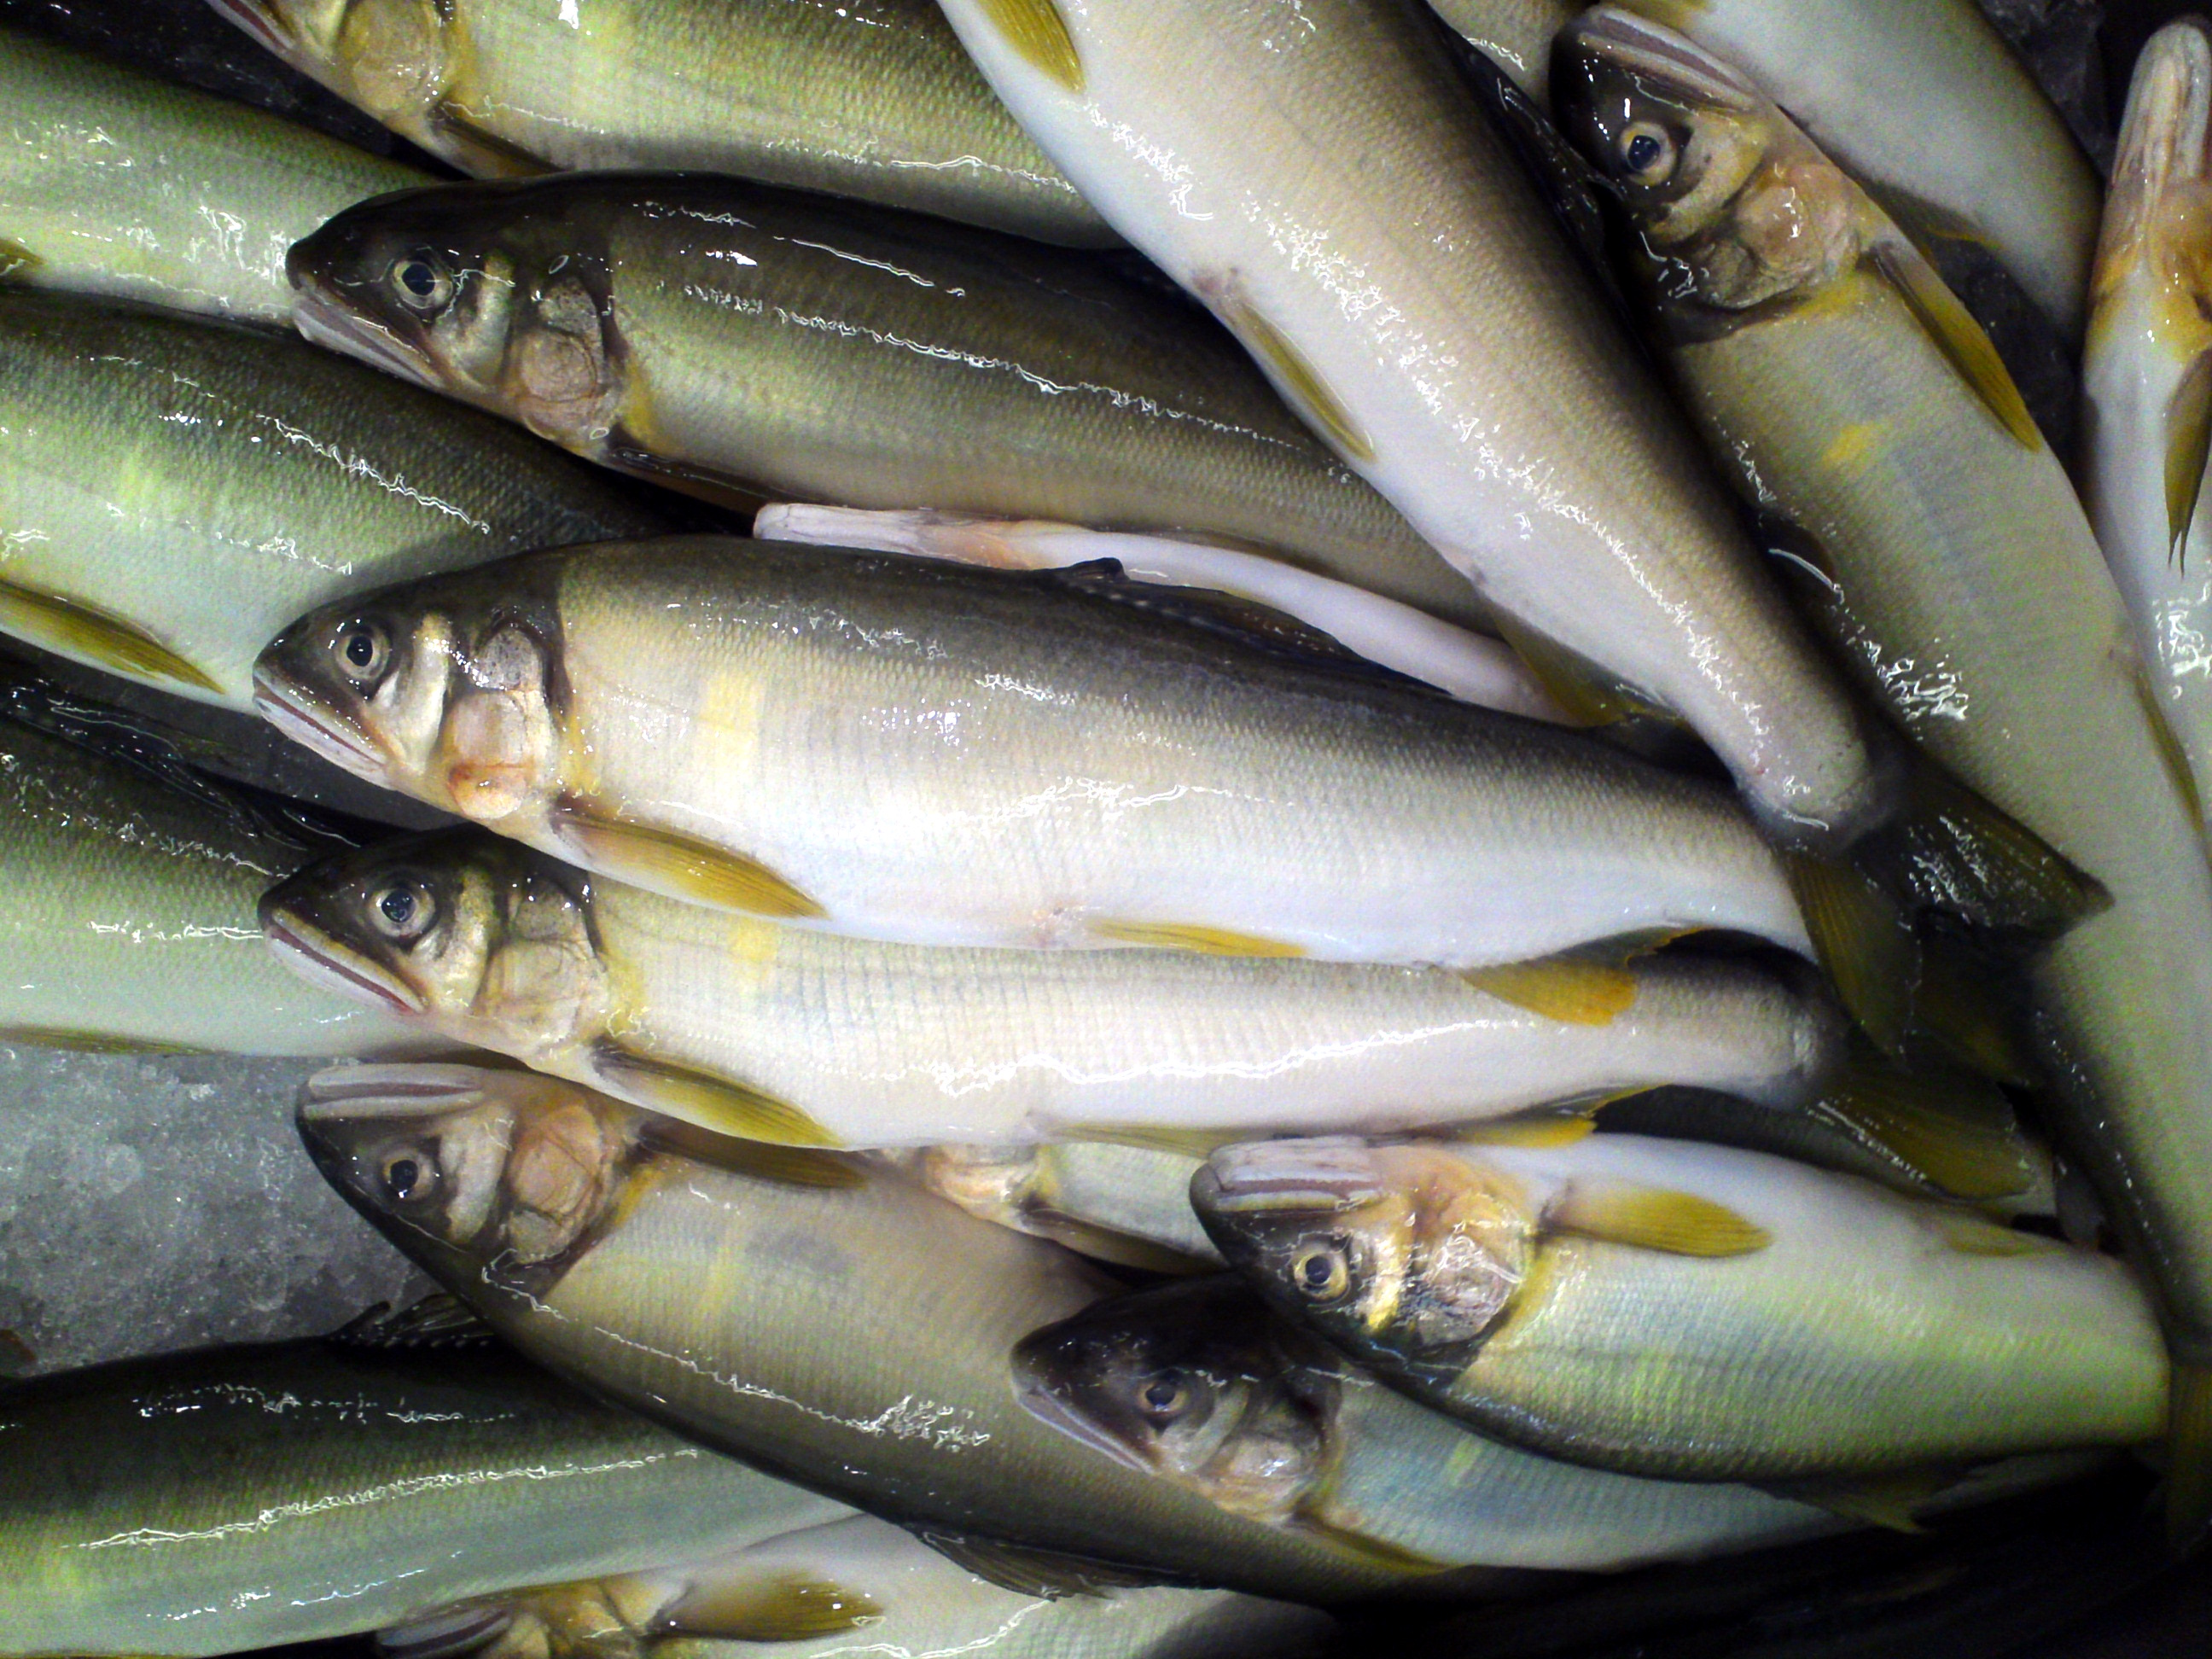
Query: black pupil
[[1642, 151], [418, 279], [399, 907], [1318, 1271], [360, 650], [402, 1176], [1161, 1394]]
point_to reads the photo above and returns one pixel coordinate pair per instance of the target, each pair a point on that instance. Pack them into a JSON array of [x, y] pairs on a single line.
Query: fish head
[[1409, 1251], [1195, 1382], [393, 58], [481, 938], [1000, 1183], [472, 1170], [588, 1619], [450, 689], [495, 293], [1734, 206]]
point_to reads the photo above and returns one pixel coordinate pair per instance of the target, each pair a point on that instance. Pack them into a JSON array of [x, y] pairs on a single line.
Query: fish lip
[[319, 959], [1642, 46], [1271, 1177], [397, 1090], [316, 726], [1049, 1409], [321, 320], [257, 21]]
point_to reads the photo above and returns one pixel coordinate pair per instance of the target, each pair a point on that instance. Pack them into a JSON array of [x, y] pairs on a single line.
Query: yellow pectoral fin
[[792, 1166], [1121, 1249], [717, 1103], [95, 636], [1587, 693], [1206, 941], [94, 1042], [2187, 446], [1654, 1218], [1572, 989], [1300, 380], [1157, 1137], [1561, 1126], [1879, 1500], [772, 1606], [480, 153], [668, 861], [1972, 1235], [1368, 1550], [1036, 29], [1957, 335]]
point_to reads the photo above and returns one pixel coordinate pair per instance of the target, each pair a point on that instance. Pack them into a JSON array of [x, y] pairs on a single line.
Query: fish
[[904, 750], [785, 1034], [2147, 377], [206, 1502], [117, 183], [1942, 537], [1695, 1313], [885, 359], [1199, 1386], [1514, 34], [1928, 106], [871, 99], [1280, 160], [173, 490], [821, 1590], [132, 883], [819, 1316]]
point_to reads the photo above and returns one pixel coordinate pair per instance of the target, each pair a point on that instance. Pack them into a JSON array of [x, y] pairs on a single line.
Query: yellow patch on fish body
[[1854, 445]]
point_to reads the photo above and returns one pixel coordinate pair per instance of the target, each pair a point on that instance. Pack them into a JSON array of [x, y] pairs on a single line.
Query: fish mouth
[[1658, 54], [316, 726], [258, 20], [325, 322], [1328, 1173], [1049, 1409], [321, 960], [389, 1091]]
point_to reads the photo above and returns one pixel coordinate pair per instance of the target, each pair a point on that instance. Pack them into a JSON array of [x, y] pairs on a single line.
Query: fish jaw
[[1056, 1414], [300, 715], [1321, 1175], [326, 321], [323, 960]]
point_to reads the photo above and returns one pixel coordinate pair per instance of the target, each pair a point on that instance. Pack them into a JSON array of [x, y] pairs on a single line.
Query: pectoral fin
[[793, 1166], [1046, 1574], [96, 636], [1587, 693], [1572, 989], [1878, 1500], [1157, 1137], [477, 151], [1370, 1552], [2188, 443], [712, 1102], [1181, 936], [1970, 1235], [670, 862], [92, 1042], [771, 1606], [1036, 29], [1107, 1244], [1550, 1127], [1300, 381], [1654, 1218], [1957, 335]]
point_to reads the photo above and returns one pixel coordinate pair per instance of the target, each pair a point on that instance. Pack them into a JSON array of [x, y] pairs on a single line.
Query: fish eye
[[402, 910], [421, 282], [407, 1176], [1164, 1397], [1648, 153], [1321, 1270], [362, 650]]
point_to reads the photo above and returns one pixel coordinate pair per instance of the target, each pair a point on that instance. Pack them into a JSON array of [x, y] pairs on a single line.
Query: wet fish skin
[[132, 914], [880, 360], [1217, 796], [1285, 161], [175, 489], [873, 100], [1514, 34], [1955, 545], [1111, 1202], [786, 1035], [1198, 1384], [1689, 1312], [823, 1317], [205, 1503], [115, 183]]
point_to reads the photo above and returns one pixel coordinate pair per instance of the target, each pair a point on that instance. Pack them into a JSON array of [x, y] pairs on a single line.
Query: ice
[[155, 1203]]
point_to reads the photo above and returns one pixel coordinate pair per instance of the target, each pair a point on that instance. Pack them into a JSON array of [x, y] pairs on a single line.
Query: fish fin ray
[[1654, 1218], [701, 1099], [667, 860], [784, 1606], [95, 635], [440, 1319], [1035, 30], [1955, 333], [1302, 383], [1571, 989], [1050, 1575], [1861, 939], [792, 1166], [1956, 1132], [1196, 937]]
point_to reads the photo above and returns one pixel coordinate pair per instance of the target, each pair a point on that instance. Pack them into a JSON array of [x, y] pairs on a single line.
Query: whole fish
[[905, 750], [822, 1317], [113, 182], [239, 1497], [172, 490], [2146, 376], [866, 98], [1924, 102], [1199, 1386], [733, 339], [1687, 1312], [783, 1034], [132, 884], [1316, 171], [1951, 552], [858, 1583]]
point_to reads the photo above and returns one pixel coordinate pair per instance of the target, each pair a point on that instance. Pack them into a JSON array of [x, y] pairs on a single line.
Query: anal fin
[[668, 861], [720, 1104]]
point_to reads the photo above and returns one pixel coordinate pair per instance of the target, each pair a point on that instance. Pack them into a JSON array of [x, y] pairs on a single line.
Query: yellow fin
[[1987, 865], [1206, 941], [1653, 1219], [1879, 1500], [794, 1166], [16, 261], [669, 862], [1571, 989], [712, 1102], [1159, 1138], [1549, 1126], [1970, 1235], [1036, 29], [2170, 751], [1958, 337], [1956, 1132], [2189, 1454], [1860, 939], [1368, 1551], [1044, 1575], [93, 1043], [95, 636], [487, 155], [773, 1606], [1587, 693], [1110, 1244], [1299, 379], [2187, 446]]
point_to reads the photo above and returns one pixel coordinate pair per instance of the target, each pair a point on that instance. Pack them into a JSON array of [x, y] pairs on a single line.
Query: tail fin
[[1955, 1131]]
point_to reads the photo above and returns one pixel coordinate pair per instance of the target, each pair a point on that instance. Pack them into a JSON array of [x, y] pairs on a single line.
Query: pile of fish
[[1288, 806]]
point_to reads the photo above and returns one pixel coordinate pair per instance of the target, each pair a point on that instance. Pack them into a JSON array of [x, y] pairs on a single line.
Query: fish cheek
[[559, 378], [394, 53], [500, 748], [558, 1181]]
